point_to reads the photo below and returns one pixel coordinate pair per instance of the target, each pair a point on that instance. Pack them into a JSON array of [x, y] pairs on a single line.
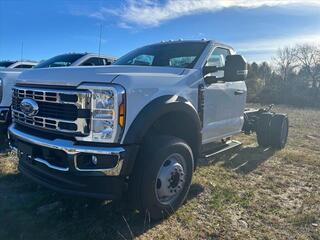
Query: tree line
[[292, 78]]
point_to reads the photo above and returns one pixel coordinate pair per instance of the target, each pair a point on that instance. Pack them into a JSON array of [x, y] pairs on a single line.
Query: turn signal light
[[121, 115]]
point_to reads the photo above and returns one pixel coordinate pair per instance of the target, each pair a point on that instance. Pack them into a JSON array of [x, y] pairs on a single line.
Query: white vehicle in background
[[10, 70], [77, 59], [17, 64]]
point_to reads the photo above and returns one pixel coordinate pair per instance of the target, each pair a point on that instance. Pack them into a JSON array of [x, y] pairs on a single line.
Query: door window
[[218, 59]]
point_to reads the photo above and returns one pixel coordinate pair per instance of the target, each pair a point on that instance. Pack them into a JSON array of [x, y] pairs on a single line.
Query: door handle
[[239, 92]]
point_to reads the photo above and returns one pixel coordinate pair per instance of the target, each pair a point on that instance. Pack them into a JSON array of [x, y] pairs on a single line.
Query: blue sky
[[255, 28]]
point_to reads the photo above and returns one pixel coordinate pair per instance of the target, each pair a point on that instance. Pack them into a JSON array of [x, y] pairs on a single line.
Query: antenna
[[21, 56], [100, 39]]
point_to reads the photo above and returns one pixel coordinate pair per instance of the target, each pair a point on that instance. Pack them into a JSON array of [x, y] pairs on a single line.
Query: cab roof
[[212, 42]]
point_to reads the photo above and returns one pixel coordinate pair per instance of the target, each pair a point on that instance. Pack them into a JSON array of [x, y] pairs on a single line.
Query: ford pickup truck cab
[[135, 128]]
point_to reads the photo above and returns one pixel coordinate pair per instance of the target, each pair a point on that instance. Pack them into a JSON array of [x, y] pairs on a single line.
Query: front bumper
[[55, 164], [4, 115]]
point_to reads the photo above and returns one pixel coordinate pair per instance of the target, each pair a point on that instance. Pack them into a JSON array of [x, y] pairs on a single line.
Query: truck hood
[[74, 76]]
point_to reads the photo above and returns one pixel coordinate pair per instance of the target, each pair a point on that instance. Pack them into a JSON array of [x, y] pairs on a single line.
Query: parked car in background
[[17, 64], [11, 70], [77, 59]]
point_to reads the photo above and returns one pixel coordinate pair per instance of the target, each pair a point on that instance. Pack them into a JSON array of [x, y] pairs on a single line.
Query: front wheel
[[162, 176]]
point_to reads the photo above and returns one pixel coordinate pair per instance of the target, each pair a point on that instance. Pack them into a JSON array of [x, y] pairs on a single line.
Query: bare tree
[[309, 58], [285, 62]]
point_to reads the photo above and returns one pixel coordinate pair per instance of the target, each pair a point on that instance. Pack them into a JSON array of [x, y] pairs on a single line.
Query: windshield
[[180, 54], [5, 64], [64, 60]]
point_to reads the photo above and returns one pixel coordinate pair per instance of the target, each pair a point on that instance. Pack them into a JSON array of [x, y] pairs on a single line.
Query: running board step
[[233, 144]]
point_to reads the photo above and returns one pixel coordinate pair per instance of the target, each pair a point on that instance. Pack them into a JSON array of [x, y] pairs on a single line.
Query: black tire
[[143, 183], [262, 130], [279, 128]]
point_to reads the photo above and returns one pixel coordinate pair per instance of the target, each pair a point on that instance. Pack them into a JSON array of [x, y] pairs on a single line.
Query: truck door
[[224, 102]]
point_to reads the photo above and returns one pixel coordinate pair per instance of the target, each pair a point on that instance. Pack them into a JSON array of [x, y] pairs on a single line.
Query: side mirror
[[236, 68]]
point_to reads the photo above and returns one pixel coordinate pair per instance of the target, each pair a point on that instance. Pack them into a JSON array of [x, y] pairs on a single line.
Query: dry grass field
[[252, 193]]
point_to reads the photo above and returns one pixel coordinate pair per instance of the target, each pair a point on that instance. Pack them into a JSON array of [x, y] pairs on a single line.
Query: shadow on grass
[[248, 159], [70, 217], [242, 161], [83, 218]]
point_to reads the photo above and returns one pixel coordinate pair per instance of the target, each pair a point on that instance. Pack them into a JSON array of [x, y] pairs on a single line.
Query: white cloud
[[264, 49], [152, 13]]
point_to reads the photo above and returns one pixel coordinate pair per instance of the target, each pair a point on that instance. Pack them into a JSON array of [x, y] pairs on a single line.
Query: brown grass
[[249, 194]]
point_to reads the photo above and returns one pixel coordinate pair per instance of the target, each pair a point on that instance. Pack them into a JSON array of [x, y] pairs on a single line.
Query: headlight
[[107, 112]]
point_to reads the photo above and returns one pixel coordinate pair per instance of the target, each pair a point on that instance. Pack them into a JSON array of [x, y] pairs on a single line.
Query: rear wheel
[[279, 128], [262, 130], [162, 176], [272, 130]]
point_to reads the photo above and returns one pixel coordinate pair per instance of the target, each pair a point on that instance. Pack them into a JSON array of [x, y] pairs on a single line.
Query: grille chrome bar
[[58, 109], [51, 123], [79, 98]]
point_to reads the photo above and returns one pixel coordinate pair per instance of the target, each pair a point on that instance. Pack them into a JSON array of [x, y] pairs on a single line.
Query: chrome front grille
[[66, 111]]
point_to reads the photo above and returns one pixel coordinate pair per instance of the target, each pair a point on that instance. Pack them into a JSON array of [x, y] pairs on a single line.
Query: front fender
[[157, 108]]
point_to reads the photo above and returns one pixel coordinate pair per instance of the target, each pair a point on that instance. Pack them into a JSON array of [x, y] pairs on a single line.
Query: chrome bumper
[[70, 148]]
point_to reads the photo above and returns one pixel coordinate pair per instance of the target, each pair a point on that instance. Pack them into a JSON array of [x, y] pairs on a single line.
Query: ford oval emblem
[[29, 107]]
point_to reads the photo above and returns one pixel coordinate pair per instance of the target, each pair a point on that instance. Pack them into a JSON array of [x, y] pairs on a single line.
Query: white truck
[[138, 127], [77, 59], [17, 64], [10, 70]]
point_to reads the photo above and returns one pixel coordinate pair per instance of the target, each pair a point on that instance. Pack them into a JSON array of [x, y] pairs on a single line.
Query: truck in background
[[17, 64], [77, 59]]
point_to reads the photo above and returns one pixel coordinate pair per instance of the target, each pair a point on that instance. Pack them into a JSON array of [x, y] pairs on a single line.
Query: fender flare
[[158, 108]]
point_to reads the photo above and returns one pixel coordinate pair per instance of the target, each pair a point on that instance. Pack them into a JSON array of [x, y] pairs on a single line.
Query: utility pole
[[100, 39], [21, 56]]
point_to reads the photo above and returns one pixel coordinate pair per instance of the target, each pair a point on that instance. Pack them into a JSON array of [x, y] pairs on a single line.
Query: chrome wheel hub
[[171, 179]]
